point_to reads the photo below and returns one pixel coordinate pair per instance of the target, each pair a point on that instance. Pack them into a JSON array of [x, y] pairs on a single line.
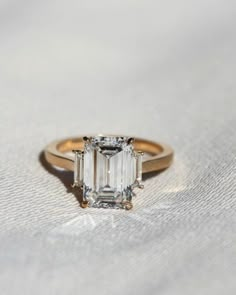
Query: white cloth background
[[164, 70]]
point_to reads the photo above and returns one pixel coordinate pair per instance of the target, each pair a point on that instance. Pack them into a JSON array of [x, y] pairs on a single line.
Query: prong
[[140, 153], [79, 152], [84, 204], [127, 205], [130, 140], [141, 186], [86, 139], [137, 184]]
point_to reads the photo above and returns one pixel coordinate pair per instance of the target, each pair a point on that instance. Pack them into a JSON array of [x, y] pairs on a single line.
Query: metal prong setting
[[84, 204], [79, 152], [131, 140], [127, 205], [137, 184], [86, 139]]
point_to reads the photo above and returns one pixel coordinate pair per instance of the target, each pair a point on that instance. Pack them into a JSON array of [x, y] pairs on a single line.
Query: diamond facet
[[78, 171], [111, 169]]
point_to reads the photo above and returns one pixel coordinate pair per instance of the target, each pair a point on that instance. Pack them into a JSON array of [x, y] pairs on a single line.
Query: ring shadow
[[66, 177]]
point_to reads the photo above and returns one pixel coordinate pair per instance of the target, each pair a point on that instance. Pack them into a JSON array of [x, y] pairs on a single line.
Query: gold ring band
[[159, 155]]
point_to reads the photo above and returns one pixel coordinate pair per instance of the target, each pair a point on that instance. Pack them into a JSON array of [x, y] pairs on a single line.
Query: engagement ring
[[108, 168]]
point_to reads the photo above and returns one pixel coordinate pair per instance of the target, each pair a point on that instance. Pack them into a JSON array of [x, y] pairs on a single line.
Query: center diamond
[[109, 171]]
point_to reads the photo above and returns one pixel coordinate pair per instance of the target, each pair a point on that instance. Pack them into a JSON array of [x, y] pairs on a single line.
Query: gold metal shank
[[160, 156]]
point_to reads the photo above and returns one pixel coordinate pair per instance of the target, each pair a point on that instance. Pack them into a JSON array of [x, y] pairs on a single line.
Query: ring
[[108, 168]]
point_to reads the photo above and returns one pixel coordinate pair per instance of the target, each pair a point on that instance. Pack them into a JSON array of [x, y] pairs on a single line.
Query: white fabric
[[164, 70]]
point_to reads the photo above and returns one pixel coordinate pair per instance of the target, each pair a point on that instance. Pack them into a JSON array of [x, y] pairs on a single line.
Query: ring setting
[[108, 168]]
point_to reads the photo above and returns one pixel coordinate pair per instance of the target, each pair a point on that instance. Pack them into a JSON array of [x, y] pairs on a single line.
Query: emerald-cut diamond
[[108, 170]]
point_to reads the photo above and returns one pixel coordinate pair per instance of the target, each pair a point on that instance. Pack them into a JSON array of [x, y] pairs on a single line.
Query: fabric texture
[[163, 70]]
